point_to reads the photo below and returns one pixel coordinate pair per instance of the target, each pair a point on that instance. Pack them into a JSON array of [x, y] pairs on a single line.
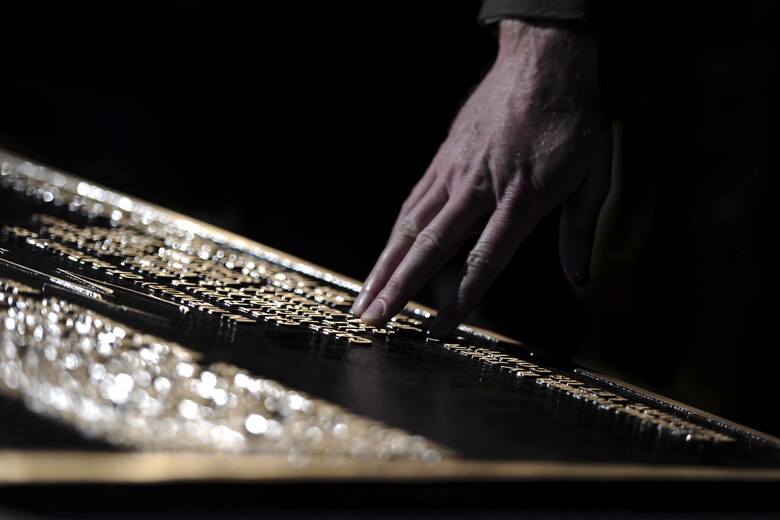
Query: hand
[[532, 136]]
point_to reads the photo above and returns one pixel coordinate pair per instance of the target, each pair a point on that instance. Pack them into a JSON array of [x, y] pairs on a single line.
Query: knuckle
[[428, 242], [475, 186], [479, 185], [407, 230], [481, 259]]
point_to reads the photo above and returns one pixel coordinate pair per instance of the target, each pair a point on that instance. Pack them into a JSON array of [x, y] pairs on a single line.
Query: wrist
[[553, 53]]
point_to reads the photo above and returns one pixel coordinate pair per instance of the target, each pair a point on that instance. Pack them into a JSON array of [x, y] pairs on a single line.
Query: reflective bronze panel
[[140, 345]]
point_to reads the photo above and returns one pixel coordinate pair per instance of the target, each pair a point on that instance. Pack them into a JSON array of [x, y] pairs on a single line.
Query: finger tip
[[373, 321], [375, 314], [360, 304]]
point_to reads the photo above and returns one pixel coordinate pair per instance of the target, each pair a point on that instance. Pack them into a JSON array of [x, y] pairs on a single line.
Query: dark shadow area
[[607, 499], [305, 127]]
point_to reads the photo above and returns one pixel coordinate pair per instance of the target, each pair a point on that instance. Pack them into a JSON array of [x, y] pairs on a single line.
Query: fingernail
[[360, 304], [375, 313], [441, 326]]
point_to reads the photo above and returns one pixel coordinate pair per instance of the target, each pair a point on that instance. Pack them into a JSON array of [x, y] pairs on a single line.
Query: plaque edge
[[70, 467], [520, 468]]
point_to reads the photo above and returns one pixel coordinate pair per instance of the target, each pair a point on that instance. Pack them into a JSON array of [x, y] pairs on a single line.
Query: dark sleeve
[[576, 11]]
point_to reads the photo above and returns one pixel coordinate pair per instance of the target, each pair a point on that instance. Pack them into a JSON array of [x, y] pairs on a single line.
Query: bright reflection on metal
[[117, 384]]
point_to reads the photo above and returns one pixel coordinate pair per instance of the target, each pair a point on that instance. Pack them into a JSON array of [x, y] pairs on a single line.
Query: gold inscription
[[188, 272]]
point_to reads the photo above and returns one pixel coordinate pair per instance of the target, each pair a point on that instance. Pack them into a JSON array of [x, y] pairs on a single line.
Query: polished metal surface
[[127, 329]]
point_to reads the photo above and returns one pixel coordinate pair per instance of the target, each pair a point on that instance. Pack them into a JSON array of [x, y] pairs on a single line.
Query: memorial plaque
[[139, 345]]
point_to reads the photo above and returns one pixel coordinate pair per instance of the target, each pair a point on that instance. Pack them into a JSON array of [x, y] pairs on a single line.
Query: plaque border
[[20, 467], [72, 467]]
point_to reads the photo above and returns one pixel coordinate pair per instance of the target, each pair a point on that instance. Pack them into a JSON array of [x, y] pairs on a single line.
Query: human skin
[[532, 136]]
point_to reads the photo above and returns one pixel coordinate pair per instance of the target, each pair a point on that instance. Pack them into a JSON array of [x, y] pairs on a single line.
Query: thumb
[[578, 225]]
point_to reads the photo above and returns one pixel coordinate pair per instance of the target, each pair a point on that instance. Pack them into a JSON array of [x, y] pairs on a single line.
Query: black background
[[304, 126]]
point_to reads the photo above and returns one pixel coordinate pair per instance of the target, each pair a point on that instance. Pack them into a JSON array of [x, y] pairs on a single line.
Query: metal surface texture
[[138, 345]]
